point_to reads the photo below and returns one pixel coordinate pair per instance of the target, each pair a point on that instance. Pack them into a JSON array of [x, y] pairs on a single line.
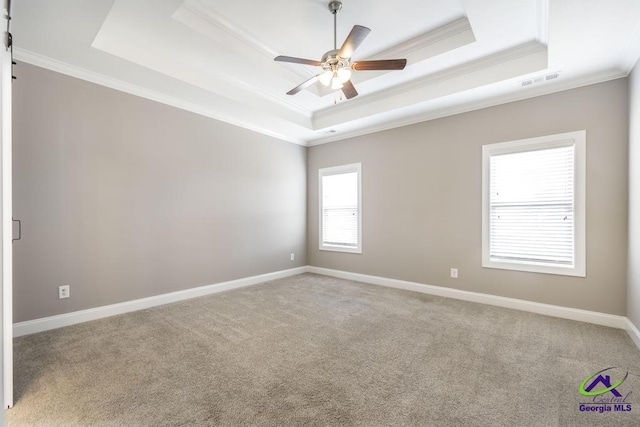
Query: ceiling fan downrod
[[334, 8], [337, 70]]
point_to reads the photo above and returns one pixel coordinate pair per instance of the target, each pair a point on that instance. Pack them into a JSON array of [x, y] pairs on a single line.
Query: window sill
[[536, 268], [345, 249]]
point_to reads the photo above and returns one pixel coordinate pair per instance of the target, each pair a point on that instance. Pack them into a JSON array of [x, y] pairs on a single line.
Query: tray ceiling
[[215, 57]]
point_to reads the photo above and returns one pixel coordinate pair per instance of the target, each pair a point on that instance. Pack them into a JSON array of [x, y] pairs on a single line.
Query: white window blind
[[531, 206], [340, 208]]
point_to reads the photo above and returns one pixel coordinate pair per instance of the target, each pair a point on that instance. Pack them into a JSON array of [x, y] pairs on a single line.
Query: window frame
[[578, 140], [338, 170]]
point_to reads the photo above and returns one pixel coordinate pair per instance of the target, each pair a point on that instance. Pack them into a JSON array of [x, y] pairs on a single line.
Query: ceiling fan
[[337, 64]]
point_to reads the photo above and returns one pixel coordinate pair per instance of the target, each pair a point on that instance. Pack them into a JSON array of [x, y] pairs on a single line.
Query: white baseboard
[[633, 332], [603, 319], [53, 322]]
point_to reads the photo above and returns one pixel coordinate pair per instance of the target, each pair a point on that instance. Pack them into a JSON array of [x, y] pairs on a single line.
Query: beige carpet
[[313, 350]]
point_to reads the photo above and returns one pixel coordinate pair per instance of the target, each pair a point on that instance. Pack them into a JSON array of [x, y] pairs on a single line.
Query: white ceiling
[[215, 57]]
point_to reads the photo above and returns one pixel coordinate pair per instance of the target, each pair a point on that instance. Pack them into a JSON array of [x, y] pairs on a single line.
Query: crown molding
[[531, 92], [447, 74], [209, 22], [543, 21], [214, 79], [454, 28], [342, 113], [122, 86], [206, 20], [632, 53], [435, 42], [267, 95], [103, 80], [199, 9]]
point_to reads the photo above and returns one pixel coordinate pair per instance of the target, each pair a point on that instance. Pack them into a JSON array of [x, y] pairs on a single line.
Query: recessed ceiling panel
[[215, 57]]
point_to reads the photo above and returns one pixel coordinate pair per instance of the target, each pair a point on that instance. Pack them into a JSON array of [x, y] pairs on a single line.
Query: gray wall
[[124, 198], [633, 288], [422, 198]]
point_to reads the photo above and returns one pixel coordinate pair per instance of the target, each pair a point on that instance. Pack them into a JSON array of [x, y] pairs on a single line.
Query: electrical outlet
[[293, 256], [63, 292], [454, 273]]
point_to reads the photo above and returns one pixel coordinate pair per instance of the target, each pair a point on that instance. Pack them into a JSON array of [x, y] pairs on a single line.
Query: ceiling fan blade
[[356, 36], [348, 90], [303, 86], [383, 64], [297, 60]]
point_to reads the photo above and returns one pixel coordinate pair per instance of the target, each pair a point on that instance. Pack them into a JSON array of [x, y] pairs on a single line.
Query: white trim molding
[[515, 261], [633, 332], [51, 64], [532, 91], [586, 316], [67, 319], [323, 137], [530, 57], [332, 171]]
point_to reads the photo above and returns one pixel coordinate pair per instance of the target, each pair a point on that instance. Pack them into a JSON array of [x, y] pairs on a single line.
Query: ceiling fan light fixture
[[325, 78], [337, 63], [336, 83], [344, 74]]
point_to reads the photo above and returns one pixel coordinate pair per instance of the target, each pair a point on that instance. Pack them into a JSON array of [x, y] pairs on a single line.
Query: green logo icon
[[605, 381]]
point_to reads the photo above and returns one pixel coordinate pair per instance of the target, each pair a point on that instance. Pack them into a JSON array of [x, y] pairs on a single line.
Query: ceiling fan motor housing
[[331, 61]]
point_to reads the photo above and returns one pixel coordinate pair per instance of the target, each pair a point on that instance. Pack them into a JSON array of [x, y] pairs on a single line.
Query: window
[[340, 214], [533, 204]]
